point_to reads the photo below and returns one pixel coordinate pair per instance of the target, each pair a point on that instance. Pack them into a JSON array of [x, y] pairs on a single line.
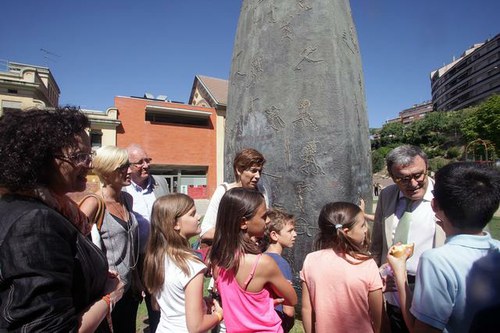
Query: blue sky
[[104, 48]]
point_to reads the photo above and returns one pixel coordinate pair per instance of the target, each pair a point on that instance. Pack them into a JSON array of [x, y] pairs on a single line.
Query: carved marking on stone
[[274, 118], [308, 56], [251, 106], [356, 106], [300, 190], [255, 13], [287, 30], [238, 74], [353, 39], [256, 68], [350, 41], [304, 5], [305, 118], [271, 175], [265, 11], [271, 13], [346, 41], [236, 130], [287, 151], [303, 227], [308, 156]]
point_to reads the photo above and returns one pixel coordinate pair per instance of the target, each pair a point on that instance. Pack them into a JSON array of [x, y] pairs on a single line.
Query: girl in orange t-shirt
[[341, 284]]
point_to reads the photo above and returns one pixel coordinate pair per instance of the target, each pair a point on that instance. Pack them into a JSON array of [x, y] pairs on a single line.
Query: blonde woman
[[119, 230]]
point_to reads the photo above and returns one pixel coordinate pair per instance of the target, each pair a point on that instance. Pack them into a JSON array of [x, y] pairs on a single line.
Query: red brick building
[[180, 138]]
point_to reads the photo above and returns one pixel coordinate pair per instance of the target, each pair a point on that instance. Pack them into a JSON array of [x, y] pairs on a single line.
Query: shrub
[[453, 152], [437, 163], [377, 161]]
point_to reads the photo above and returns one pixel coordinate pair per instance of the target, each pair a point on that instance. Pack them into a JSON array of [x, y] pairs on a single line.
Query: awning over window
[[177, 112]]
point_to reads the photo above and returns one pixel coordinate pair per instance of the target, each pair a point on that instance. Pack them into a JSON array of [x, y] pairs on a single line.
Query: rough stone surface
[[296, 94]]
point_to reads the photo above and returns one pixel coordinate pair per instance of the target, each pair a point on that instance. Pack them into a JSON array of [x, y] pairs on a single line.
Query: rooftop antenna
[[49, 56], [4, 65]]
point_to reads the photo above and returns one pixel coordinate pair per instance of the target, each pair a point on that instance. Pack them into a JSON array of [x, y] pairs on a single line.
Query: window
[[172, 115], [12, 91], [11, 105], [171, 119], [96, 139]]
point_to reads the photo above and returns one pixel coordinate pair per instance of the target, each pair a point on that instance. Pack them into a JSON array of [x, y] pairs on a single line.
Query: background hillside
[[468, 134]]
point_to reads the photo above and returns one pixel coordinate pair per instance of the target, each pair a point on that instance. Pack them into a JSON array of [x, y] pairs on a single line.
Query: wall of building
[[468, 80], [416, 112], [103, 124], [23, 86], [171, 146]]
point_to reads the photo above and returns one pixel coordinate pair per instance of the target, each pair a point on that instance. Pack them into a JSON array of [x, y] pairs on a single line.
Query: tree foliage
[[392, 133], [483, 122], [442, 134]]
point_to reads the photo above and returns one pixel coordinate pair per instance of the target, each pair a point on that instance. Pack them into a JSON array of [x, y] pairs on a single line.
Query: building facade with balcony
[[469, 79], [102, 127], [416, 112], [24, 86]]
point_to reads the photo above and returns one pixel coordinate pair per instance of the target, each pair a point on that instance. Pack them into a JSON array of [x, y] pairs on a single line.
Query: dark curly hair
[[29, 140]]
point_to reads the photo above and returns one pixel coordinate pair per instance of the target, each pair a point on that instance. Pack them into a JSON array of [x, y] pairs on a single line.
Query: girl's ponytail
[[333, 219]]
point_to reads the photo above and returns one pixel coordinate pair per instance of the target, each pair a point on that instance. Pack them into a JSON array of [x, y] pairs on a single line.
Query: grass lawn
[[142, 327], [495, 227], [141, 322]]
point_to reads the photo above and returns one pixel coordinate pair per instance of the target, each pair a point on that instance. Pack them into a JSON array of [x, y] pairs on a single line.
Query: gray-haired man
[[404, 214], [145, 188]]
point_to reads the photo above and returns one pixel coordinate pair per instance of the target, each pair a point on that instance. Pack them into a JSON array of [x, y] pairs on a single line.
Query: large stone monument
[[296, 94]]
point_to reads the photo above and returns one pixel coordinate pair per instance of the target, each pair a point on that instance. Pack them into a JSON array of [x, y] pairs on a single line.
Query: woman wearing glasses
[[52, 278], [118, 230]]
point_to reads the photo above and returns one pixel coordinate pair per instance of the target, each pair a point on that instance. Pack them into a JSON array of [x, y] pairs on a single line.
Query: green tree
[[483, 122], [377, 161], [392, 133], [378, 157], [432, 129], [468, 125]]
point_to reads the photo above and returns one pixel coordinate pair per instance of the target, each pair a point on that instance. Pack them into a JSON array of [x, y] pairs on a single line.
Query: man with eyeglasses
[[145, 188], [404, 214]]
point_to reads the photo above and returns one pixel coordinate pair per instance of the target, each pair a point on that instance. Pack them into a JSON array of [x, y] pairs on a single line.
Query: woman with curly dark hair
[[52, 278]]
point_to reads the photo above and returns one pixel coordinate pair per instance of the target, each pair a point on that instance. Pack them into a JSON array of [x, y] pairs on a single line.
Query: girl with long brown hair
[[244, 278], [173, 273]]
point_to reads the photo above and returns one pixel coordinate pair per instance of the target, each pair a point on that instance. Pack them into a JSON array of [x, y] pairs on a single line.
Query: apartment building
[[469, 79], [416, 112]]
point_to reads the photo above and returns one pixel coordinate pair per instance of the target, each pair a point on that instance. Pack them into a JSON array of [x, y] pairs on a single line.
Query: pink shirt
[[339, 291], [246, 311]]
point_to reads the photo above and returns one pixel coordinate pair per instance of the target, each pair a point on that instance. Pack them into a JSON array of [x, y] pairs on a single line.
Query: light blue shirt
[[446, 296], [143, 204]]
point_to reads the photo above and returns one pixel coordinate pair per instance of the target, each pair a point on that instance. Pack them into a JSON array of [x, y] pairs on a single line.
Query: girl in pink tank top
[[246, 280]]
